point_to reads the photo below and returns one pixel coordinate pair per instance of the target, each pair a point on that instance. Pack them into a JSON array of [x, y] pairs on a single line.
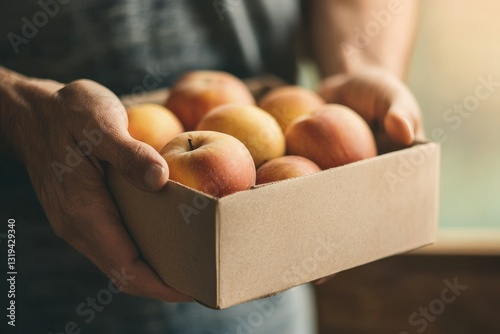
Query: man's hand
[[368, 75], [48, 120], [381, 99]]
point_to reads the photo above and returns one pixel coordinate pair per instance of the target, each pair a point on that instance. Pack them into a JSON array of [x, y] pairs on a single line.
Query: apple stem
[[190, 141]]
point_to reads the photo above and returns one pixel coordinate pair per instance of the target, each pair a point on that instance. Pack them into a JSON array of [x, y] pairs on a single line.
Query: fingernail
[[153, 176], [411, 130]]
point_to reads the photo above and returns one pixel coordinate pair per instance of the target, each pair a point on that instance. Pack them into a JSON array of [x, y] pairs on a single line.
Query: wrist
[[380, 63], [352, 64]]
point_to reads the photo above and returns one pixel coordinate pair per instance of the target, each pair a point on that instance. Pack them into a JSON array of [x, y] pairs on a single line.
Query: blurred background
[[455, 52], [457, 48], [457, 45]]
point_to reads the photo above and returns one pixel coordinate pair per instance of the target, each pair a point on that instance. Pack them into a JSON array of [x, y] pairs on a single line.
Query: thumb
[[402, 122], [138, 162], [399, 127]]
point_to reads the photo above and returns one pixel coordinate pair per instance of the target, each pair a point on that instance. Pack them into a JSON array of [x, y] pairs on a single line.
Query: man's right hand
[[44, 124]]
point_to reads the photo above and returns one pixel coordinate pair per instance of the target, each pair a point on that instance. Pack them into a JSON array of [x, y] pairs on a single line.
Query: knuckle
[[80, 84], [89, 95], [74, 87]]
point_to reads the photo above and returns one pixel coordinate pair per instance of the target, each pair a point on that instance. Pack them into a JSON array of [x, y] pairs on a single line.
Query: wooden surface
[[380, 297], [465, 241]]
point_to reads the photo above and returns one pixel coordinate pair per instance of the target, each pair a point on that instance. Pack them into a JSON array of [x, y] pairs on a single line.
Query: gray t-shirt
[[119, 42]]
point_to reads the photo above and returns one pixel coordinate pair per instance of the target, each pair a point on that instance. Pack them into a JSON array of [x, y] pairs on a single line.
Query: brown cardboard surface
[[180, 248], [271, 238], [291, 232]]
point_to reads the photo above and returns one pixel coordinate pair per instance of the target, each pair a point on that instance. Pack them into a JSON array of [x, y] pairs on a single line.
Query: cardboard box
[[262, 241]]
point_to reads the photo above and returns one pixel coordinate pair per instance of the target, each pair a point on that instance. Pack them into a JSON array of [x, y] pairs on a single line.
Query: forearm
[[349, 35]]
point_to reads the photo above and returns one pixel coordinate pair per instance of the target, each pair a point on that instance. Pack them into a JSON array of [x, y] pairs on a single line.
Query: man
[[361, 47]]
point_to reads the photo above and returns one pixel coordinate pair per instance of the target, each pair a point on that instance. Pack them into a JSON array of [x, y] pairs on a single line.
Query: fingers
[[104, 119], [323, 280], [378, 96], [84, 124], [97, 232], [142, 165], [402, 120], [92, 223], [329, 89]]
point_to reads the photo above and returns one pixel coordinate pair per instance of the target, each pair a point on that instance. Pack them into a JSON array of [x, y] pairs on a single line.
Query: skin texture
[[374, 71], [38, 118], [287, 103], [212, 162], [370, 80], [79, 208], [332, 136], [286, 167], [387, 105], [198, 92], [153, 124], [254, 127]]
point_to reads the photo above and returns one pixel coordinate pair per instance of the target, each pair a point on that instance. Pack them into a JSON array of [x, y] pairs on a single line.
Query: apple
[[286, 167], [287, 103], [254, 127], [212, 162], [153, 124], [195, 93], [333, 135]]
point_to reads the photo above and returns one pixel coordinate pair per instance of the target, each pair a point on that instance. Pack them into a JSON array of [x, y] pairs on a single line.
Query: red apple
[[332, 136], [285, 167], [197, 92], [212, 162]]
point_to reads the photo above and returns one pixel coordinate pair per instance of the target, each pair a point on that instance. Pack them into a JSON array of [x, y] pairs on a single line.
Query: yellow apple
[[287, 103], [153, 124], [254, 127]]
